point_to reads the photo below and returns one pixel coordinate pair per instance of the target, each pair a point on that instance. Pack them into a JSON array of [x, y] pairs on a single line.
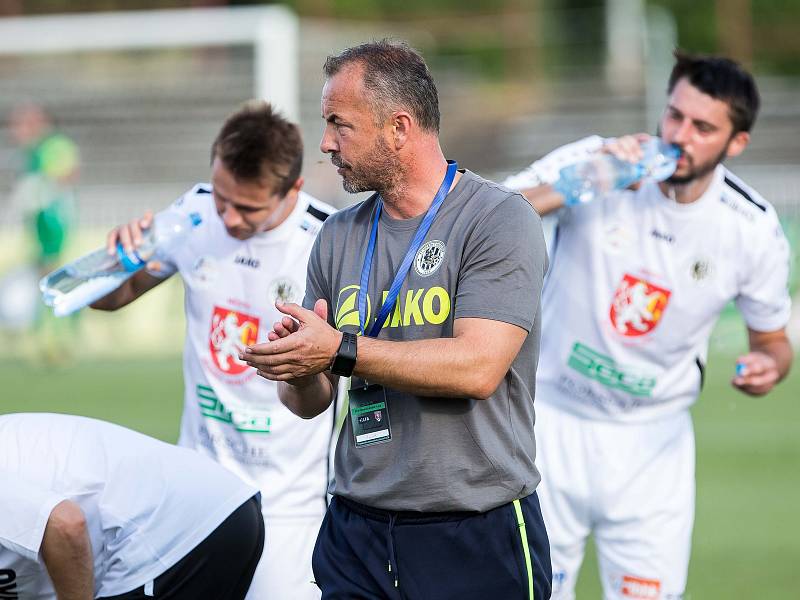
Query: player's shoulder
[[316, 211], [198, 198], [744, 203]]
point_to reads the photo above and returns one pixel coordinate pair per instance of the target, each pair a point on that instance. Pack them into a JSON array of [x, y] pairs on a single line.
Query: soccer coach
[[434, 495]]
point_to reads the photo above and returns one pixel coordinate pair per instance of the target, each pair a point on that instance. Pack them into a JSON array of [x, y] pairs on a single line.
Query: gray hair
[[395, 76]]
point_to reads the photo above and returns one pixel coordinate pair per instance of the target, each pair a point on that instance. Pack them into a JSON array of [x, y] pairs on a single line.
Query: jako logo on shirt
[[638, 306], [640, 589], [8, 584], [231, 331], [424, 306]]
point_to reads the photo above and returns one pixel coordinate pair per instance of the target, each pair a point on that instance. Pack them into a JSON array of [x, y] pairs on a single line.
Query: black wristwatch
[[344, 361]]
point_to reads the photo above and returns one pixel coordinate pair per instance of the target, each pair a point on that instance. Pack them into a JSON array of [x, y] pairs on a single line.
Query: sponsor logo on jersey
[[423, 306], [429, 258], [241, 420], [8, 584], [231, 332], [638, 306], [247, 261], [663, 236], [608, 372], [640, 589], [285, 290]]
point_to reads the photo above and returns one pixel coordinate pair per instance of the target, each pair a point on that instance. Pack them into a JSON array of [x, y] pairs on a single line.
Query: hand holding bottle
[[128, 249], [619, 165]]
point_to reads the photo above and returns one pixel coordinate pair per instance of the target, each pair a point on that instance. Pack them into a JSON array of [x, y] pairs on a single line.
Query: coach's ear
[[402, 124], [737, 144]]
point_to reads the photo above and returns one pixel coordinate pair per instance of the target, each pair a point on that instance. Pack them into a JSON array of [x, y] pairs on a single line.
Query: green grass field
[[747, 532]]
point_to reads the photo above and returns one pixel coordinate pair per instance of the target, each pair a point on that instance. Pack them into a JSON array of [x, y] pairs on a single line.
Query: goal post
[[271, 30]]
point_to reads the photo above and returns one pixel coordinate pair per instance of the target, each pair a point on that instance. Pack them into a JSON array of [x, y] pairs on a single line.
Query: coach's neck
[[422, 170]]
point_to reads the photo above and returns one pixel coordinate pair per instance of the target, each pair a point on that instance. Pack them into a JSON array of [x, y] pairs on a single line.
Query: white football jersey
[[147, 504], [635, 285], [230, 413]]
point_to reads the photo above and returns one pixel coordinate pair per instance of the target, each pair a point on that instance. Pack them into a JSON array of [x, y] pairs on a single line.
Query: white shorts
[[630, 484], [284, 571]]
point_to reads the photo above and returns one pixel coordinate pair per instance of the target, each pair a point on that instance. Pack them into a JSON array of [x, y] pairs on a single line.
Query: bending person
[[94, 510]]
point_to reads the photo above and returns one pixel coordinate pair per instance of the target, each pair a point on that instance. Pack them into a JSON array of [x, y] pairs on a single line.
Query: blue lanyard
[[422, 231]]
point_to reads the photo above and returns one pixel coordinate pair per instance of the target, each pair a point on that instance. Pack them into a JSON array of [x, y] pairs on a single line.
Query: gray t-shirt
[[484, 257]]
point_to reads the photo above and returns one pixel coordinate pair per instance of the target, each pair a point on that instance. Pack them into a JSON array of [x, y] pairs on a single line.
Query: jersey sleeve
[[763, 298], [183, 207], [503, 266], [545, 170], [25, 508]]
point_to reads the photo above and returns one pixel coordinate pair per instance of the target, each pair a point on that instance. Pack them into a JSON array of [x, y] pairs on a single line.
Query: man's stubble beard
[[380, 170]]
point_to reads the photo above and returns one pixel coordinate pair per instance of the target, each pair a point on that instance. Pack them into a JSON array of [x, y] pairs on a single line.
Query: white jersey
[[635, 285], [230, 413], [147, 504]]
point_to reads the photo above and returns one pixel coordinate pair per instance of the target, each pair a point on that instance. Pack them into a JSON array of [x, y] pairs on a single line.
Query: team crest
[[701, 270], [231, 332], [285, 290], [378, 416], [638, 306], [429, 258]]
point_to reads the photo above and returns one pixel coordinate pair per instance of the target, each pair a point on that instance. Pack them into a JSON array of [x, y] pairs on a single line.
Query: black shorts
[[368, 554], [220, 567]]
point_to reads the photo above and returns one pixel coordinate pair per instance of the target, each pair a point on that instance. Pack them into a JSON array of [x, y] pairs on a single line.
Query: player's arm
[[67, 553], [767, 363], [130, 236], [537, 188]]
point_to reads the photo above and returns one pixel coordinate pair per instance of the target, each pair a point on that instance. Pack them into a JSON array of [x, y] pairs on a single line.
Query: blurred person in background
[[43, 198], [94, 510], [250, 250], [435, 487], [636, 283]]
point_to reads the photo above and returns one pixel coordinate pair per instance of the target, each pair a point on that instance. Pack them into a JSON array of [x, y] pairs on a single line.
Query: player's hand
[[757, 373], [130, 237], [304, 345], [627, 147]]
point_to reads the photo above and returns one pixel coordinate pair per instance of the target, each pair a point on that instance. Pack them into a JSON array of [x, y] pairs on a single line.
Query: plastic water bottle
[[601, 173], [99, 273]]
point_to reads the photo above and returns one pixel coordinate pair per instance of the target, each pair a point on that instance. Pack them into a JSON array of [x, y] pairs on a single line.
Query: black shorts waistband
[[404, 516]]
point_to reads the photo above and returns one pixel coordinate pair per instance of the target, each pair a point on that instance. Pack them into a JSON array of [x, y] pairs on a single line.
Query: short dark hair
[[395, 76], [723, 79], [257, 144]]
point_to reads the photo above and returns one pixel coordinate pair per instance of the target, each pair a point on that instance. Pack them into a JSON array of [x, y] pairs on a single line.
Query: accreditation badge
[[369, 415]]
